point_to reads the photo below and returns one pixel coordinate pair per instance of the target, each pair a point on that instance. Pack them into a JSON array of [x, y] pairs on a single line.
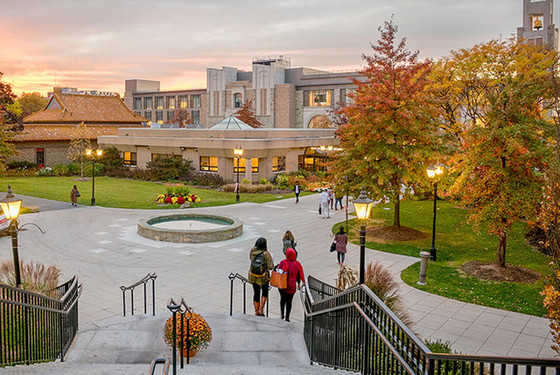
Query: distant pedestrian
[[288, 242], [338, 193], [297, 190], [295, 276], [74, 194], [261, 262], [341, 240], [324, 204], [331, 197]]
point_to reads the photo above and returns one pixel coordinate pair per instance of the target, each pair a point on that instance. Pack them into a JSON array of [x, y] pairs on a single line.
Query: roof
[[232, 123], [33, 133], [76, 108]]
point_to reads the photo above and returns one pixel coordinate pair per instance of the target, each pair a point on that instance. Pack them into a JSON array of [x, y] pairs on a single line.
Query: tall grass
[[35, 277]]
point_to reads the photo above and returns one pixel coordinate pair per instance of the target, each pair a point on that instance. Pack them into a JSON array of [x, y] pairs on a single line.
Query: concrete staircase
[[241, 345]]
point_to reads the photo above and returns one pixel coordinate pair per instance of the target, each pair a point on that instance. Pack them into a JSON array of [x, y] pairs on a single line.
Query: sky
[[98, 44]]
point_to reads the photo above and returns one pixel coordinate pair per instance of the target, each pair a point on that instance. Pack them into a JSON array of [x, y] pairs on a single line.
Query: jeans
[[340, 257], [338, 201]]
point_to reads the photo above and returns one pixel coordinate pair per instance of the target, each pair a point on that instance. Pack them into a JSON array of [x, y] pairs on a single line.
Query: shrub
[[263, 181], [439, 346], [74, 168], [170, 169], [206, 179], [88, 168], [22, 165], [35, 277], [245, 181], [246, 188], [200, 334], [61, 170], [45, 171]]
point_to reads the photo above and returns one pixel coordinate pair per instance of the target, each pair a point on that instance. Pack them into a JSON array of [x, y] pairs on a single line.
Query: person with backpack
[[295, 276], [288, 242], [261, 263]]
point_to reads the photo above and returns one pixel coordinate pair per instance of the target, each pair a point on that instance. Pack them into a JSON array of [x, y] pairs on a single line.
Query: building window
[[242, 165], [195, 101], [255, 165], [130, 158], [170, 102], [159, 117], [159, 102], [278, 164], [137, 104], [195, 116], [319, 122], [536, 22], [209, 163], [317, 98], [158, 156], [148, 115], [148, 103], [40, 156], [237, 100], [183, 101], [170, 115], [239, 165]]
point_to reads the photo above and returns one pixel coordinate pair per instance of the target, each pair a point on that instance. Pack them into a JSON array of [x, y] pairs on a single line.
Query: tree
[[79, 143], [9, 114], [502, 87], [247, 115], [181, 116], [391, 130], [31, 103]]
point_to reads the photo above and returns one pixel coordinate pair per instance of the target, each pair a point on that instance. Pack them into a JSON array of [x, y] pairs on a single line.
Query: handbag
[[333, 247], [279, 279], [78, 195], [319, 209]]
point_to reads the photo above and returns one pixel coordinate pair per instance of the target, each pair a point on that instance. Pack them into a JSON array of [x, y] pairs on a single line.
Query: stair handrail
[[182, 309], [142, 281], [158, 361], [232, 277]]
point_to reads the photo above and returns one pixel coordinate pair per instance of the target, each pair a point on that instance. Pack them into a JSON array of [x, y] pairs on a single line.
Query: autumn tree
[[391, 131], [9, 120], [79, 143], [501, 88], [247, 115], [181, 116], [31, 103]]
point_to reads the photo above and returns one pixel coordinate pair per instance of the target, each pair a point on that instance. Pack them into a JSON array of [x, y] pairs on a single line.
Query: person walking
[[297, 190], [261, 262], [295, 276], [324, 204], [341, 240], [338, 194], [288, 242], [331, 197], [74, 194]]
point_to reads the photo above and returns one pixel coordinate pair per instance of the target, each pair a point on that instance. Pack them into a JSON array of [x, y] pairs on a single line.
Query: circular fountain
[[190, 228]]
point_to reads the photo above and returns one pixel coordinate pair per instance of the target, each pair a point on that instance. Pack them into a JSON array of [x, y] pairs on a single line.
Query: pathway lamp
[[238, 152], [362, 207], [93, 155], [10, 206], [434, 171]]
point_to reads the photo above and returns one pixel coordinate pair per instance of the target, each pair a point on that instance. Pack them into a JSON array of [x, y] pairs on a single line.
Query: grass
[[457, 244], [122, 193]]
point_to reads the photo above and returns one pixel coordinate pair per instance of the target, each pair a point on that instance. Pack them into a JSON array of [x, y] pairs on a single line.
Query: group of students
[[289, 265], [326, 200]]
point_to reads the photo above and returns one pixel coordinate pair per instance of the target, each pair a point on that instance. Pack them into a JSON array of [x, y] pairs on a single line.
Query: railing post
[[132, 300], [311, 341], [244, 297], [123, 301], [174, 354], [231, 297], [154, 294], [335, 362], [26, 329], [145, 299], [182, 315], [61, 335], [188, 340]]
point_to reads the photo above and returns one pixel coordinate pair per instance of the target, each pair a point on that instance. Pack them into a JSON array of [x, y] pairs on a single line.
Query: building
[[145, 98], [46, 134], [538, 23]]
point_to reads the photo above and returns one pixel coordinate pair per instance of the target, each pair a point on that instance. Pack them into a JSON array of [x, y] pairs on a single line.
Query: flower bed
[[178, 194]]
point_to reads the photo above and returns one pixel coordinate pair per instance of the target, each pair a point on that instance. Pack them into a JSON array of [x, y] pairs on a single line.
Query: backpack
[[258, 267]]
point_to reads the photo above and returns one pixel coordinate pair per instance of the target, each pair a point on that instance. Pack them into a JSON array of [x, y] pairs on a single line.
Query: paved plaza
[[101, 246]]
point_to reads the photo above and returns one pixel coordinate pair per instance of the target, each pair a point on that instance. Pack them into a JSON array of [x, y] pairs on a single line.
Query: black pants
[[286, 302], [297, 197], [340, 256], [257, 291], [337, 202]]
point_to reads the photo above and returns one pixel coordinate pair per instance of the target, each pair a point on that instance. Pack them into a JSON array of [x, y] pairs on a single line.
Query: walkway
[[101, 246]]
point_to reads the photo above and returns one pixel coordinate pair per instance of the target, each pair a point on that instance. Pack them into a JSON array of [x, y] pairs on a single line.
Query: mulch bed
[[392, 234], [491, 271]]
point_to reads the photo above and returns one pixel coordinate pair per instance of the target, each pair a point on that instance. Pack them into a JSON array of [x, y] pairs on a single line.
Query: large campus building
[[538, 23]]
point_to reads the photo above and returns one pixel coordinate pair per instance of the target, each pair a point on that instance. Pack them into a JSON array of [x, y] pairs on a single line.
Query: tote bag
[[279, 280]]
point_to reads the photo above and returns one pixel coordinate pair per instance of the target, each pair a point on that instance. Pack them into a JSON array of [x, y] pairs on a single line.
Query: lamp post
[[238, 152], [362, 206], [433, 172], [11, 206], [94, 155]]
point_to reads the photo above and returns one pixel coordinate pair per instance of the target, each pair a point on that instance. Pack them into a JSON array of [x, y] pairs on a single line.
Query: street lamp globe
[[363, 205], [238, 151], [89, 151], [435, 170], [10, 205], [99, 152]]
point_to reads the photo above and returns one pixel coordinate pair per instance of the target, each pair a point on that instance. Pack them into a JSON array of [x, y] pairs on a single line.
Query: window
[[170, 102], [209, 163], [242, 164], [237, 100], [536, 22], [40, 157], [278, 163], [159, 102], [137, 104], [255, 165], [148, 103], [170, 115], [148, 115], [195, 101], [159, 117], [195, 116], [183, 101], [129, 158], [319, 122], [317, 98]]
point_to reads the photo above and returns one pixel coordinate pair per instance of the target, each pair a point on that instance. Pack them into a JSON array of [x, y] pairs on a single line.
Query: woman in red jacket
[[295, 276]]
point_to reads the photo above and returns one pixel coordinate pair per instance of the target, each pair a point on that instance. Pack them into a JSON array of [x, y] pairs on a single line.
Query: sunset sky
[[97, 44]]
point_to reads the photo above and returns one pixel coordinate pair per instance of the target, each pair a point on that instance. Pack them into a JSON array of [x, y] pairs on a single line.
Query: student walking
[[324, 204], [295, 276], [338, 194], [261, 262], [74, 194], [297, 190], [341, 240], [288, 242]]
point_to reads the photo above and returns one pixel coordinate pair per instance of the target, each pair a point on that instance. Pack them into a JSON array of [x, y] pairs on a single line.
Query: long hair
[[260, 244], [288, 236]]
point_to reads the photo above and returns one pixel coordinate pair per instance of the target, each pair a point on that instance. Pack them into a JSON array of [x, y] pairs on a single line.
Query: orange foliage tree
[[247, 115]]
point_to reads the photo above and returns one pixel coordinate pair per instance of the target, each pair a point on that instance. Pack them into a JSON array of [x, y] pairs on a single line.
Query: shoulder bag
[[279, 278]]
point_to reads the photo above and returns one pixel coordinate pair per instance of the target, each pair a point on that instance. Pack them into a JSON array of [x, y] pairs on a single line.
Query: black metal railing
[[36, 328], [232, 277], [143, 281], [185, 313], [159, 361], [354, 330]]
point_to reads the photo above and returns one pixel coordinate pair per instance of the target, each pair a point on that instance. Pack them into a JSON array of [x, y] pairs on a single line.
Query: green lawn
[[458, 244], [115, 192]]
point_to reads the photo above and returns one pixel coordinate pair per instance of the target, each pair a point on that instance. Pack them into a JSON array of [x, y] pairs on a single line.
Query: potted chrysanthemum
[[199, 333]]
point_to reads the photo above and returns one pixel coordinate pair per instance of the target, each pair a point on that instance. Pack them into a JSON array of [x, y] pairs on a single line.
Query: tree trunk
[[81, 169], [397, 218], [501, 259]]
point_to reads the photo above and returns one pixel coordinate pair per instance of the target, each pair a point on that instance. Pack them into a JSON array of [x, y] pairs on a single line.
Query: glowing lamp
[[10, 205], [363, 205]]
